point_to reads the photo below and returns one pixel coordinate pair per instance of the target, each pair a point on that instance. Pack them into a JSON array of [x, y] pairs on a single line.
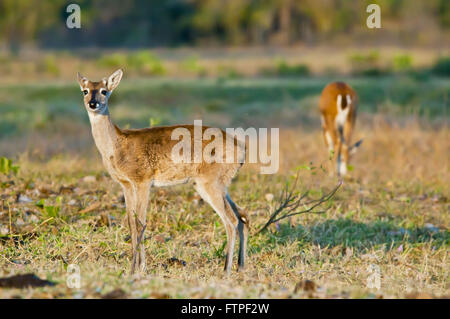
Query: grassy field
[[391, 215], [40, 110]]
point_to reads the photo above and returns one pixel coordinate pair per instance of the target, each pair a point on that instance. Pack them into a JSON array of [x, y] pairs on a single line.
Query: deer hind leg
[[340, 143], [342, 124], [331, 141], [348, 128], [243, 226], [345, 132], [328, 139], [214, 194]]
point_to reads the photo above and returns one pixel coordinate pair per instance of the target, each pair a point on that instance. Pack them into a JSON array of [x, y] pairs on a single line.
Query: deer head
[[96, 94]]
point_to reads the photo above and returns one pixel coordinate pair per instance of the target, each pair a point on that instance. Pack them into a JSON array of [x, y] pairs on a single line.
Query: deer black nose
[[93, 104]]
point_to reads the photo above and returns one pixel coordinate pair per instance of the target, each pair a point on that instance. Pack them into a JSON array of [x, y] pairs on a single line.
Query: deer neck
[[104, 133]]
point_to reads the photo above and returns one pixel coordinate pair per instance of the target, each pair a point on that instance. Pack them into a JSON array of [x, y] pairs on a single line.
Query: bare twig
[[10, 223], [289, 203]]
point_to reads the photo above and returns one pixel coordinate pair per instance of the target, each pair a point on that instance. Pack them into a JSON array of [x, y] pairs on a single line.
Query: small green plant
[[311, 167], [218, 252], [146, 62], [293, 70], [117, 60], [143, 62], [306, 167], [366, 64], [49, 210], [402, 62], [284, 69], [7, 166], [331, 155], [49, 66], [228, 72], [191, 65], [154, 121], [370, 58]]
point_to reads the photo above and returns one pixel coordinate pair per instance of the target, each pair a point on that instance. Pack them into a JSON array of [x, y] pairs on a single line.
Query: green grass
[[391, 213], [244, 102], [333, 249]]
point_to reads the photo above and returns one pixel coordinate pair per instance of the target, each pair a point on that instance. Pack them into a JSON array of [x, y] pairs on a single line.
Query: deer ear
[[114, 80], [82, 80]]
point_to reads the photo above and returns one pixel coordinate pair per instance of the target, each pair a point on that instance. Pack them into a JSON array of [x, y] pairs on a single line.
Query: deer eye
[[85, 92], [104, 92]]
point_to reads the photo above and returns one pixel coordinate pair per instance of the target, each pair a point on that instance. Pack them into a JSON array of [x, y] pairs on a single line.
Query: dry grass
[[381, 216]]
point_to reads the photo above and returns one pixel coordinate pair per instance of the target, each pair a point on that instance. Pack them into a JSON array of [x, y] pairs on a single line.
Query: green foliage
[[144, 23], [242, 100], [442, 66], [7, 166], [304, 166], [331, 154], [373, 72], [313, 169], [22, 20], [50, 211], [154, 121], [421, 75], [191, 65], [364, 59], [48, 65], [283, 69], [228, 72], [402, 62], [116, 60], [443, 12], [143, 62], [219, 252], [366, 64]]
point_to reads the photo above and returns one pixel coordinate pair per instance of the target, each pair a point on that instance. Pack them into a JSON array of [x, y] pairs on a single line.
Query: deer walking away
[[338, 106]]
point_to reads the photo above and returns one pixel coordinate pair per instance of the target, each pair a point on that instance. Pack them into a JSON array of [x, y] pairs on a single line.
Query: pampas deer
[[338, 104], [141, 158]]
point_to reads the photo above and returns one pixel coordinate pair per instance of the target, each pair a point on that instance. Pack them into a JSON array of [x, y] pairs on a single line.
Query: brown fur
[[141, 158], [145, 155], [329, 111]]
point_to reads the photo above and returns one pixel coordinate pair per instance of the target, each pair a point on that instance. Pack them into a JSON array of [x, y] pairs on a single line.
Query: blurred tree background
[[172, 23]]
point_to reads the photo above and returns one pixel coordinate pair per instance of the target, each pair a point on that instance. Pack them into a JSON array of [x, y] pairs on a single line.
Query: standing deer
[[141, 158], [338, 104]]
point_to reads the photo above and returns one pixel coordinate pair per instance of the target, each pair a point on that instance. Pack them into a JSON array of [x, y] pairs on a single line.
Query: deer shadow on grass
[[357, 235]]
